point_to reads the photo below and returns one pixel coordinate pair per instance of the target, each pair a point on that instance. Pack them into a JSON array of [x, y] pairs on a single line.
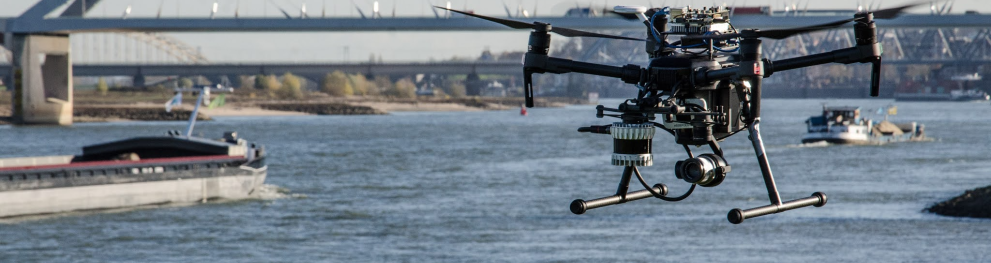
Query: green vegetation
[[337, 84], [185, 83], [244, 82], [260, 81], [404, 88], [292, 87], [454, 88], [101, 86], [334, 84], [362, 86], [385, 86], [340, 84], [270, 84]]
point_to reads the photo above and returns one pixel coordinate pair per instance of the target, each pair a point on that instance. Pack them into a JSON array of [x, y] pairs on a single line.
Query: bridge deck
[[70, 24]]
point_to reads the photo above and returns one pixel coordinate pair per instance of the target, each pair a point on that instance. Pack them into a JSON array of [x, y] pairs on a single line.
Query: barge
[[133, 172], [953, 95], [844, 125], [139, 171]]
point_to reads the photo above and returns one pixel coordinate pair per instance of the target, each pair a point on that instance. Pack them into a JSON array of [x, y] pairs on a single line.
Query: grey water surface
[[495, 187]]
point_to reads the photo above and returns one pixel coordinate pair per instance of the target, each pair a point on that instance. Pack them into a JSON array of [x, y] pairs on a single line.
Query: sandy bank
[[333, 108], [107, 113], [392, 107], [248, 111], [145, 106]]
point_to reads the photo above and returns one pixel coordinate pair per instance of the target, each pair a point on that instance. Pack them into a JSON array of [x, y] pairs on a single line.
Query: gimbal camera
[[701, 89]]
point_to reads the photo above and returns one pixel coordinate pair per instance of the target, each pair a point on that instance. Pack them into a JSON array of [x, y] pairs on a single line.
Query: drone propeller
[[894, 12], [785, 33], [773, 33], [541, 27]]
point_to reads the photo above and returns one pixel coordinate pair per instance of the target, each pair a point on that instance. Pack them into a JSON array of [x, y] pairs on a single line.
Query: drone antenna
[[519, 9], [436, 14], [534, 8], [732, 9], [159, 14]]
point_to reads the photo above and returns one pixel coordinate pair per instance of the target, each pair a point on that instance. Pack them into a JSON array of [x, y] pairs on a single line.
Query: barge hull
[[836, 141], [108, 196]]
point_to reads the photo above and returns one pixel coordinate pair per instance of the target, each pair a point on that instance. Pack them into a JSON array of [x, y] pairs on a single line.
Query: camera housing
[[706, 170]]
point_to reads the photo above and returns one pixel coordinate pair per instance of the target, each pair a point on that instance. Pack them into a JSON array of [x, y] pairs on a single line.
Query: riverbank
[[972, 203], [91, 106], [106, 113]]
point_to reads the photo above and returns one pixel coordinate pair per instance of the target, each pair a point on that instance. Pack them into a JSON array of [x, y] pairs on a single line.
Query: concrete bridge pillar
[[473, 85], [42, 79], [138, 81]]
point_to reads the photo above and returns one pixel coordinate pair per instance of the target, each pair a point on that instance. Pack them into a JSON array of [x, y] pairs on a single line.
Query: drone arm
[[706, 76], [537, 63], [870, 53], [858, 54]]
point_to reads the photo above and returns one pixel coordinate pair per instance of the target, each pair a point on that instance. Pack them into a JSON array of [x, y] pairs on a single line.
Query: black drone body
[[701, 88]]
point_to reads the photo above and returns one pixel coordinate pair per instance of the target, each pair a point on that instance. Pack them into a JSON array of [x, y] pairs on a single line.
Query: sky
[[391, 46]]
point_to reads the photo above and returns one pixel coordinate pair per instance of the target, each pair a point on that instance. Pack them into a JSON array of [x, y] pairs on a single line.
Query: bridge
[[41, 68]]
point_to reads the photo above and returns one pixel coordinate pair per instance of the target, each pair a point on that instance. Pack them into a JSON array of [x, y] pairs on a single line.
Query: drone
[[702, 85]]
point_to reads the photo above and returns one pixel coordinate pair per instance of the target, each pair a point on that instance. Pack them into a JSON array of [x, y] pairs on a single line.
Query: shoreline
[[101, 111]]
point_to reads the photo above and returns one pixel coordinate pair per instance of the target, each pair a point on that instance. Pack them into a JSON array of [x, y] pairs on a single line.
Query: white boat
[[844, 125]]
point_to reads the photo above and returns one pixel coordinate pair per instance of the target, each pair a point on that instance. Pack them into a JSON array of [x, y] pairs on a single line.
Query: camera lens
[[695, 170], [707, 170]]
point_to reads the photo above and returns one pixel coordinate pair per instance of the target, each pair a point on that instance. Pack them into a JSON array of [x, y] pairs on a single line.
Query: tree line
[[335, 84], [340, 84]]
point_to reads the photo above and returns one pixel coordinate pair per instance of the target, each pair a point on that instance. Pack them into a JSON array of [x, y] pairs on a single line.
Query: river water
[[495, 187]]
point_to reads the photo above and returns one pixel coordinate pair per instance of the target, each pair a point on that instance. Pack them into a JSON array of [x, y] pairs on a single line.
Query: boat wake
[[273, 192], [812, 144]]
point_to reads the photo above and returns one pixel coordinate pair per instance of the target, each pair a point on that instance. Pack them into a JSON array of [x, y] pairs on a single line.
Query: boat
[[140, 171], [957, 88], [844, 125], [953, 95]]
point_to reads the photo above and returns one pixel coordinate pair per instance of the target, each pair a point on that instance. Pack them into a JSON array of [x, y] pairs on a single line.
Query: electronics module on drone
[[701, 88]]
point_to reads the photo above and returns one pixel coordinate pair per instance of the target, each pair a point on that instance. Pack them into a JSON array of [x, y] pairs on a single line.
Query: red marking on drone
[[756, 68]]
